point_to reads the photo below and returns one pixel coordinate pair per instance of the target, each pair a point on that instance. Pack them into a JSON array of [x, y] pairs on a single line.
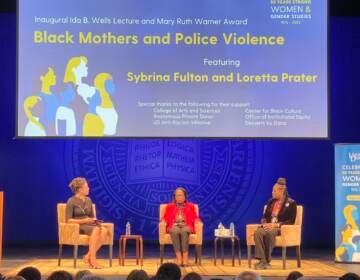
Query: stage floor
[[315, 263]]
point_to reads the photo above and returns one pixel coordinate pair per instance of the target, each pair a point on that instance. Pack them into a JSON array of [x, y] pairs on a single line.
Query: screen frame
[[328, 130]]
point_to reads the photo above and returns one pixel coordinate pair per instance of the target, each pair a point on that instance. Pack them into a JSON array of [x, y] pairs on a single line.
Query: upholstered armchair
[[194, 238], [69, 234], [290, 236]]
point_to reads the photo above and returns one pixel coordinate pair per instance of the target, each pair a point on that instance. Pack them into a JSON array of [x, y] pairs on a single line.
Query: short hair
[[137, 274], [30, 273], [248, 275], [293, 275], [350, 276], [92, 277], [76, 184], [181, 189], [17, 277], [60, 275], [168, 271], [81, 274], [192, 276]]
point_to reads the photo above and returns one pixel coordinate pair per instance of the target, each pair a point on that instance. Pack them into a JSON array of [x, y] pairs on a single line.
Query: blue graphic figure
[[94, 101], [356, 253], [110, 86]]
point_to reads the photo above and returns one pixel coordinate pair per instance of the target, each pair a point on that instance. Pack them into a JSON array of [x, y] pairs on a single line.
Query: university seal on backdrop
[[130, 178]]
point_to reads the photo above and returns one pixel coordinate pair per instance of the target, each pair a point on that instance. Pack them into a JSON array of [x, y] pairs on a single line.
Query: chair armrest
[[198, 227], [162, 232], [162, 228], [291, 235], [110, 228], [69, 233], [250, 230]]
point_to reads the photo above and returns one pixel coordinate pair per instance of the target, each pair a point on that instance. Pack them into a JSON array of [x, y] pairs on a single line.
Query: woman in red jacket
[[180, 217]]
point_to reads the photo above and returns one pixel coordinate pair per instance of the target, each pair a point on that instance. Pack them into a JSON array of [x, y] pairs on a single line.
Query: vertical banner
[[347, 202]]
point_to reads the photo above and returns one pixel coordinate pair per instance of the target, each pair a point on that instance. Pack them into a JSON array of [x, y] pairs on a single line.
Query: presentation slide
[[232, 68]]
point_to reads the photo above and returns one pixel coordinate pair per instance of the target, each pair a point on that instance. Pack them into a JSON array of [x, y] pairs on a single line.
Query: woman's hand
[[270, 226], [88, 220]]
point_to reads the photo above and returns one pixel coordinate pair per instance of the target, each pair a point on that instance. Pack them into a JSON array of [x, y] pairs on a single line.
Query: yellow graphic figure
[[339, 254], [48, 80], [105, 85], [349, 212], [71, 110], [93, 126], [347, 234], [33, 127], [346, 245], [99, 83], [75, 71]]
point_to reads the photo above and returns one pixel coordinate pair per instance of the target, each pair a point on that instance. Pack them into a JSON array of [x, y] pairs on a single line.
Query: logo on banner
[[354, 156]]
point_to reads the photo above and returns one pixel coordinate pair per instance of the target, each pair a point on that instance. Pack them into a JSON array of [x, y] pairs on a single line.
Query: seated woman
[[280, 210], [79, 210], [180, 217]]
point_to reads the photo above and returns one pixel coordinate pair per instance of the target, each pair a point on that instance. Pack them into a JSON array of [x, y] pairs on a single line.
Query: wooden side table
[[232, 239], [139, 244]]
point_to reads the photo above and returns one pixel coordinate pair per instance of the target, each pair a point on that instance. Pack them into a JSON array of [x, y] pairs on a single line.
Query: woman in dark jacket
[[280, 210]]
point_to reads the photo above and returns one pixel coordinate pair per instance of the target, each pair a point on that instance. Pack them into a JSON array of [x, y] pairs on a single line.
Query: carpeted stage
[[315, 264]]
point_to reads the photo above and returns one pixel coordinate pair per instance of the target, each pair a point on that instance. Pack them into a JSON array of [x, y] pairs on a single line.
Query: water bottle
[[220, 229], [232, 229], [128, 229]]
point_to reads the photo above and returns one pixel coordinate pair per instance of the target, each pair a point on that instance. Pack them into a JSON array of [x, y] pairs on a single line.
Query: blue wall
[[230, 179]]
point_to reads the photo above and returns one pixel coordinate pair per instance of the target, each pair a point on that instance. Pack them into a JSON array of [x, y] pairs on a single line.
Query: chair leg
[[284, 257], [298, 256], [60, 254], [162, 253], [75, 254], [110, 255], [249, 255], [196, 254], [199, 253], [239, 251]]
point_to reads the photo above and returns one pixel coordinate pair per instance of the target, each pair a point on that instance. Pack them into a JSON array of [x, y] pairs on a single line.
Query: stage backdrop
[[230, 179], [347, 201]]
